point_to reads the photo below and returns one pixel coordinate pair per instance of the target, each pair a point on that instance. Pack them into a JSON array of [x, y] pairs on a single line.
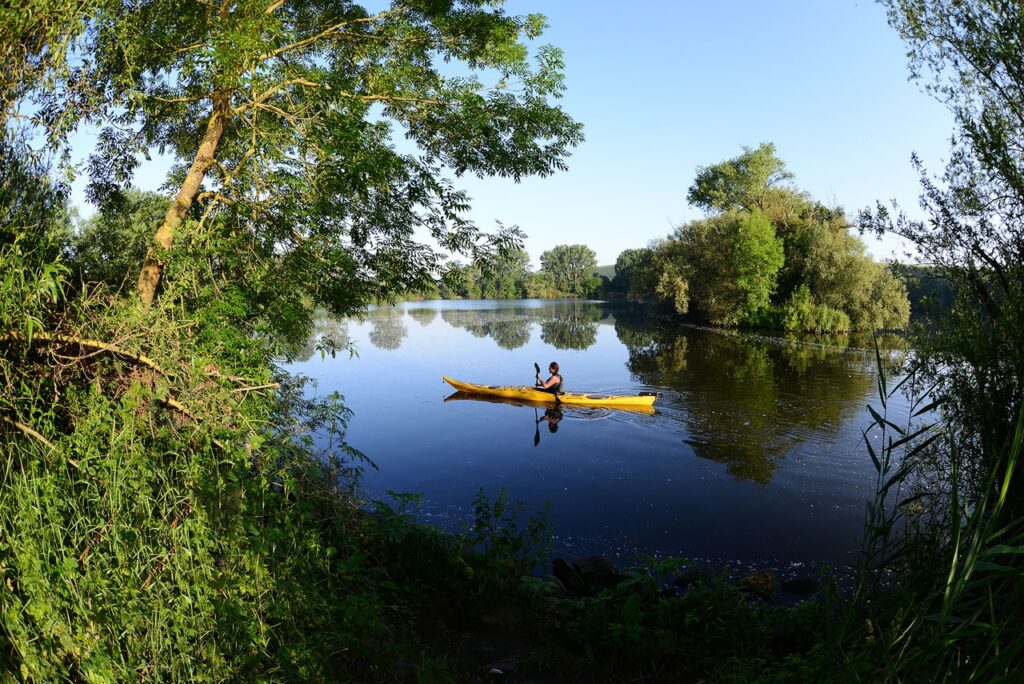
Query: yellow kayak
[[547, 404], [531, 394]]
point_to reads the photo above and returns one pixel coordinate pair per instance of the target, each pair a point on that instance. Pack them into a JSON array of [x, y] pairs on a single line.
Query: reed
[[939, 589]]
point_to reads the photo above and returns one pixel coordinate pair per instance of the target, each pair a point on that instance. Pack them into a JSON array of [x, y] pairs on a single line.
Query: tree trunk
[[152, 268]]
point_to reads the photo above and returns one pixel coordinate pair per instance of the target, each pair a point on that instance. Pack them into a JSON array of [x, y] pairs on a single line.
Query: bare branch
[[269, 385]]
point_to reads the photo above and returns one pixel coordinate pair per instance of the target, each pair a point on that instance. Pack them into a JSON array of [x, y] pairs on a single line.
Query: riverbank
[[485, 618]]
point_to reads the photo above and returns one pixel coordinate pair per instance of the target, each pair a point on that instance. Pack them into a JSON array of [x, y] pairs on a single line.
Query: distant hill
[[606, 271]]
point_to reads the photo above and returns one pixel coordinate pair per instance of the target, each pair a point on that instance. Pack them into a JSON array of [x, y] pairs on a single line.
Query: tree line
[[565, 271], [766, 255]]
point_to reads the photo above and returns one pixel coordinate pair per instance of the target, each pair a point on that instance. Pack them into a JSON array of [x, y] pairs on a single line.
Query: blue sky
[[663, 87]]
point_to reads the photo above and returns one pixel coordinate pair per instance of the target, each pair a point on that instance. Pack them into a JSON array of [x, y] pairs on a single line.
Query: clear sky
[[665, 86]]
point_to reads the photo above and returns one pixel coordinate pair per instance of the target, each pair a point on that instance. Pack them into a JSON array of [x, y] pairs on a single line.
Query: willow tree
[[754, 180], [286, 118]]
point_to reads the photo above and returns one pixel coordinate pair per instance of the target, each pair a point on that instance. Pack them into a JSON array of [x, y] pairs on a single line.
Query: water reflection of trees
[[564, 325], [748, 401], [328, 335], [423, 315], [509, 327], [571, 326], [388, 330]]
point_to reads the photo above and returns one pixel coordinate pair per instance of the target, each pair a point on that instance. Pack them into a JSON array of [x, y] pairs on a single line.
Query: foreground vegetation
[[176, 508]]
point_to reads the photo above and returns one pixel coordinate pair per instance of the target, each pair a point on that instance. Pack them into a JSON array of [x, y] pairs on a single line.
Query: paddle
[[536, 424]]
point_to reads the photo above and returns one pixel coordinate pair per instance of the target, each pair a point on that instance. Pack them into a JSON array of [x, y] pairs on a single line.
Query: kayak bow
[[531, 394]]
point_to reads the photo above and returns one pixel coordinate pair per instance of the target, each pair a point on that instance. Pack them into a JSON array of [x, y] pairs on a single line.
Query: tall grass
[[941, 588]]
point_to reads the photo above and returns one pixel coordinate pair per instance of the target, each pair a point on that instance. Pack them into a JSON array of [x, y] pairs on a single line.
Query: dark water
[[754, 455]]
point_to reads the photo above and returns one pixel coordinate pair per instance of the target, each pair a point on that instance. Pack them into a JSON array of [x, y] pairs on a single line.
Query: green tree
[[757, 257], [668, 274], [753, 180], [841, 275], [628, 266], [113, 242], [540, 286], [281, 117], [35, 38], [571, 269], [723, 267], [504, 275], [767, 251], [33, 208], [180, 506], [460, 281]]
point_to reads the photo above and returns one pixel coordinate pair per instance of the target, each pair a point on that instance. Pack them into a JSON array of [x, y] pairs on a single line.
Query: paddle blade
[[536, 425], [536, 367]]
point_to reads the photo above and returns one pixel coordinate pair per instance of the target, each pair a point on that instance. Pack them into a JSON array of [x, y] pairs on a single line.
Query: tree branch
[[197, 98], [270, 92], [28, 431], [93, 344], [323, 34]]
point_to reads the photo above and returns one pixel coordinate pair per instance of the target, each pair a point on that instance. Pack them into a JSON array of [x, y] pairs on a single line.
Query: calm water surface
[[754, 455]]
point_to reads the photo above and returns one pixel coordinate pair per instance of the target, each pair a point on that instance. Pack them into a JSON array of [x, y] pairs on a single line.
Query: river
[[753, 457]]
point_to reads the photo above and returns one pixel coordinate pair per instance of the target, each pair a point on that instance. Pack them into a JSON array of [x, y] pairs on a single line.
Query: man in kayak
[[552, 384]]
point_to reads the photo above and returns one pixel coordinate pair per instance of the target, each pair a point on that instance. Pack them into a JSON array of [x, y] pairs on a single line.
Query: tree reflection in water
[[327, 336], [742, 400], [572, 325], [563, 324], [747, 401], [388, 329], [508, 327], [423, 315]]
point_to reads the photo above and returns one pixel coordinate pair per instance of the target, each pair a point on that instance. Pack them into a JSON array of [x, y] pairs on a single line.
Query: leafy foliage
[[500, 276], [968, 56], [570, 269], [178, 508], [282, 118], [750, 181], [630, 266], [951, 572], [111, 244], [764, 246]]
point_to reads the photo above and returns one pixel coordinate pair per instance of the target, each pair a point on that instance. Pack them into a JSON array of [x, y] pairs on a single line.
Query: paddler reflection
[[553, 416]]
